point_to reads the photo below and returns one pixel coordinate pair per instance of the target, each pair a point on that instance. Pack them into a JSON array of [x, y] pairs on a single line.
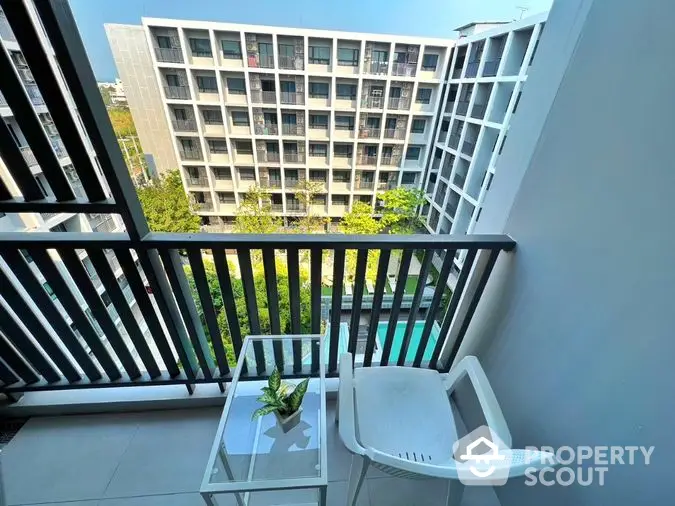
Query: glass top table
[[254, 462]]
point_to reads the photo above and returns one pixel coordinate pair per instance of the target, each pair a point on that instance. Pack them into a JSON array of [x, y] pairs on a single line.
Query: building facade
[[276, 107], [483, 86]]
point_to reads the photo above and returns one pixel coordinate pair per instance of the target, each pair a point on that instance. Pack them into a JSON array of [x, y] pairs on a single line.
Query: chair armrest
[[494, 417], [448, 471], [347, 425]]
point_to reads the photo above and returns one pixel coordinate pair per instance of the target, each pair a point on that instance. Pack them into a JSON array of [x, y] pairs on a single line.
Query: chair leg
[[357, 476], [455, 493]]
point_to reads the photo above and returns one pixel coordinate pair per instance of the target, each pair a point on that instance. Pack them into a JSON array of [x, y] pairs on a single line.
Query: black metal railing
[[478, 111], [453, 141], [184, 125], [366, 160], [377, 67], [472, 69], [462, 107], [169, 55], [404, 69], [294, 157], [291, 63], [289, 97], [468, 147], [177, 92], [394, 133], [292, 129], [190, 153], [401, 103]]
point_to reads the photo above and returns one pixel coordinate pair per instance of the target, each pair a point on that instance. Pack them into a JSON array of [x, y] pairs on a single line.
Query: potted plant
[[283, 399]]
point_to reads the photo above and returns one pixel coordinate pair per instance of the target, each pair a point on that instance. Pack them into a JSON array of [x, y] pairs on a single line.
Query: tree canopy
[[254, 214], [166, 206], [399, 214], [122, 121], [360, 220]]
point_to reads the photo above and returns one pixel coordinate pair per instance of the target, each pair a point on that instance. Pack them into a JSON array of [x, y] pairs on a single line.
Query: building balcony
[[491, 67], [263, 97], [387, 185], [341, 161], [206, 206], [277, 208], [453, 141], [458, 180], [28, 156], [184, 125], [269, 157], [468, 147], [263, 62], [267, 129], [366, 160], [229, 208], [399, 103], [369, 133], [293, 207], [391, 161], [290, 63], [297, 130], [404, 69], [168, 55], [197, 181], [377, 68], [294, 158], [373, 102], [394, 133], [6, 32], [223, 184], [462, 107], [292, 98], [190, 154], [34, 94], [343, 133], [472, 69], [274, 183], [317, 160], [365, 185], [3, 101], [478, 111], [457, 72], [291, 182], [177, 92], [59, 148]]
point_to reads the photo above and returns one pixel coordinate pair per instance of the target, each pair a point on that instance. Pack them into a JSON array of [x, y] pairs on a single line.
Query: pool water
[[415, 339]]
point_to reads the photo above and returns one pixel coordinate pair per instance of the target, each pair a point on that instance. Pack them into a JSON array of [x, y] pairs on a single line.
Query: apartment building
[[482, 89], [54, 178], [275, 107]]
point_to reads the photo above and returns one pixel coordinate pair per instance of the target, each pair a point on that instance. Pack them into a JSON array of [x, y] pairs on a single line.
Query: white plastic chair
[[400, 420]]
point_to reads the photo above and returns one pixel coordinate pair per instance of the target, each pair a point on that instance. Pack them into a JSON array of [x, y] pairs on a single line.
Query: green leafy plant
[[280, 396]]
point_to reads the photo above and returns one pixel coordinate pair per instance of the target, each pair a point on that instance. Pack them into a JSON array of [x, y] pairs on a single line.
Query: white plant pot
[[289, 422]]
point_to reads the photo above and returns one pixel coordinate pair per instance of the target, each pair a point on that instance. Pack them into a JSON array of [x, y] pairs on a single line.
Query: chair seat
[[405, 412]]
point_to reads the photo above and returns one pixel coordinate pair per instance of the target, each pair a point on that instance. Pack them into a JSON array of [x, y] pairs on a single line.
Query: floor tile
[[167, 455], [404, 492], [337, 494], [65, 458], [193, 499]]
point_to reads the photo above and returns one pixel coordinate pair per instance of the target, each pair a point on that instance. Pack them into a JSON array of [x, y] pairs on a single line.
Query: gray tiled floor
[[157, 458]]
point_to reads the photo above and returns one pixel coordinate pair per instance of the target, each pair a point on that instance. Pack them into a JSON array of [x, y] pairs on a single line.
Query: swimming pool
[[415, 338]]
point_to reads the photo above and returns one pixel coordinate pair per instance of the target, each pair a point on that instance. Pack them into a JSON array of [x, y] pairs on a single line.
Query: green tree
[[399, 214], [254, 214], [360, 220], [306, 193], [105, 94], [261, 299], [166, 206], [122, 121]]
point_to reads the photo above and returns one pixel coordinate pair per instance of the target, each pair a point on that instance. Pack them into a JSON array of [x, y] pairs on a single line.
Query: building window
[[207, 84], [423, 96], [164, 41], [381, 56], [344, 122], [246, 174], [346, 91], [239, 118], [212, 117], [217, 146], [319, 55], [286, 51], [221, 172], [172, 80], [236, 86], [243, 147], [409, 178], [418, 126], [341, 176], [340, 200], [226, 198], [317, 175], [200, 47], [231, 49], [318, 121], [319, 150], [318, 90], [266, 52], [348, 57], [429, 62], [413, 153], [342, 151]]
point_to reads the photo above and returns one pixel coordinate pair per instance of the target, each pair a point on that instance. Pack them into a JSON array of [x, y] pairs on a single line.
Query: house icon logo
[[482, 458]]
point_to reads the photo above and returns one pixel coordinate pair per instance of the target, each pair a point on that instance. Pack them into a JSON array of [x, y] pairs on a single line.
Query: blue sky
[[431, 18]]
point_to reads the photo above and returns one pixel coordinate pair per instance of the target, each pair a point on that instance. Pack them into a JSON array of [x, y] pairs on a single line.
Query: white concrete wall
[[576, 328]]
